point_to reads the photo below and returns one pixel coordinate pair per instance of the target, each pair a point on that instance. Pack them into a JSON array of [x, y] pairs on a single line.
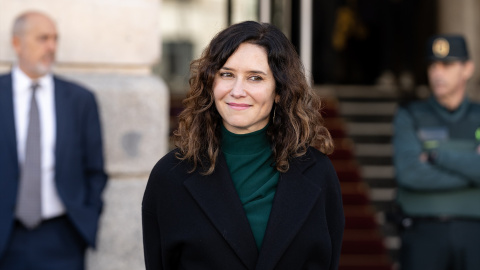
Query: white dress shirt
[[52, 206]]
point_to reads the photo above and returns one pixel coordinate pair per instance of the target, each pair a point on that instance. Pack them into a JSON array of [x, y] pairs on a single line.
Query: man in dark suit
[[51, 161]]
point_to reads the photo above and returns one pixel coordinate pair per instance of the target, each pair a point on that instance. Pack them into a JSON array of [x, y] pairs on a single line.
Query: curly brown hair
[[295, 119]]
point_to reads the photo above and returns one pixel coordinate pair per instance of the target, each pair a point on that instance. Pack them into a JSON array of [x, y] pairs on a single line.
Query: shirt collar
[[23, 82]]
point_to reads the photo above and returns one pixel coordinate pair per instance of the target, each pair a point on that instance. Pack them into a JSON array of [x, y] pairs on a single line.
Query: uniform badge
[[440, 47], [433, 136]]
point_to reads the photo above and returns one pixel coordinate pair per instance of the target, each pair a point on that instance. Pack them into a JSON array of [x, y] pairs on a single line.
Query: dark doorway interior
[[358, 41]]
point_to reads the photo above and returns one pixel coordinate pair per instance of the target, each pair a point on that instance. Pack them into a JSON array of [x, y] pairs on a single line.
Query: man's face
[[448, 78], [36, 46]]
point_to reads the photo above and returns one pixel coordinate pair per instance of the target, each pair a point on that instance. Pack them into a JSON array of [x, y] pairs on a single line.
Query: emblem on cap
[[440, 47]]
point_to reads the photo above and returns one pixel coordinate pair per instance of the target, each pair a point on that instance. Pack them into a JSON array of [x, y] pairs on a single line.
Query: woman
[[245, 189]]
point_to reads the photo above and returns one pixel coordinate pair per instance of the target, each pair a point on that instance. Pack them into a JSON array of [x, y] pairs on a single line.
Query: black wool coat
[[194, 222]]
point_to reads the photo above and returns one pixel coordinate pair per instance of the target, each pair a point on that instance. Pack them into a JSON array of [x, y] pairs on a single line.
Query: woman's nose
[[238, 89]]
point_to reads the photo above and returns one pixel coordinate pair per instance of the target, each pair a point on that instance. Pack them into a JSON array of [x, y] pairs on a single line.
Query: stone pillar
[[306, 32], [461, 16], [265, 7], [109, 46]]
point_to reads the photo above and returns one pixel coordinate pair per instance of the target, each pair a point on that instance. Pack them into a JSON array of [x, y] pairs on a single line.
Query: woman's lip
[[238, 106]]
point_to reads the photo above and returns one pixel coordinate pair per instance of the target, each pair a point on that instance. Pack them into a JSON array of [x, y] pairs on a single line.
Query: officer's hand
[[423, 157]]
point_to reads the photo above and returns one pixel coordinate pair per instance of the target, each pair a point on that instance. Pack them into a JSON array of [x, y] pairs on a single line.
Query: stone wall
[[461, 16], [109, 46]]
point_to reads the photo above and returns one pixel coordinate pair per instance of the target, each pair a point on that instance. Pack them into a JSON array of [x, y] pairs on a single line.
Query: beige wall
[[94, 32], [109, 46], [462, 16]]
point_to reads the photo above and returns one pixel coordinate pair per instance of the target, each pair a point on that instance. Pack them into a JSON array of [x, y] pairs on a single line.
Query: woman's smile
[[238, 106]]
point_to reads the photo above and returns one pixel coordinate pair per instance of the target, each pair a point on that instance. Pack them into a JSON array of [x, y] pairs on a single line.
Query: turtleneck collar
[[244, 144]]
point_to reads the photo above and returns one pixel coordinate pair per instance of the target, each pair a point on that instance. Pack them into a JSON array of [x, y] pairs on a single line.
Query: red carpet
[[363, 247]]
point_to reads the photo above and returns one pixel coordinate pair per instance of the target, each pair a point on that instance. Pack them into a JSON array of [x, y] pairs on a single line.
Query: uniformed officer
[[437, 164]]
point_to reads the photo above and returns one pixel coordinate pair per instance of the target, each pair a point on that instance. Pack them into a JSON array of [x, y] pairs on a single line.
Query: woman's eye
[[256, 78], [226, 74]]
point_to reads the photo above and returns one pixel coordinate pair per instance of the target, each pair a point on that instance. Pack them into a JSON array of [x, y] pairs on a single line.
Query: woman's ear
[[277, 98]]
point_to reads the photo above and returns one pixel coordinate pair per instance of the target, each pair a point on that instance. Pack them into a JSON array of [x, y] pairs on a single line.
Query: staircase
[[360, 121]]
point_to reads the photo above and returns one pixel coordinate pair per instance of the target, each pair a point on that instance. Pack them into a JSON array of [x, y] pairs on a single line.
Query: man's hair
[[20, 24], [297, 123]]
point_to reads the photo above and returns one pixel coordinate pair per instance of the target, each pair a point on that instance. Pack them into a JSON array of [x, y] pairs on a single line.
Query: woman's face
[[244, 90]]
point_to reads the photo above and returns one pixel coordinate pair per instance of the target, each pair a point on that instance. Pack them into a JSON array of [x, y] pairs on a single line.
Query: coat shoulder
[[316, 165], [5, 80], [317, 154], [169, 167], [74, 88], [166, 176], [320, 159], [5, 76]]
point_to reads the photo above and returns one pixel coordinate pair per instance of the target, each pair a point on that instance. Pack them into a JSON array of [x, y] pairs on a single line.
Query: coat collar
[[217, 197], [8, 120], [7, 111], [295, 197]]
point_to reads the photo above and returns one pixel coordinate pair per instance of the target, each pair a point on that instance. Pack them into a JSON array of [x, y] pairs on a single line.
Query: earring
[[274, 111]]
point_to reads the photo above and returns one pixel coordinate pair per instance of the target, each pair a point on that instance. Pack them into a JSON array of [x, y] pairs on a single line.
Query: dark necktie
[[29, 204]]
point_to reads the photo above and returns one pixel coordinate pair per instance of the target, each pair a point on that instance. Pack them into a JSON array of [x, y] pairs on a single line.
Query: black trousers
[[54, 245], [441, 245]]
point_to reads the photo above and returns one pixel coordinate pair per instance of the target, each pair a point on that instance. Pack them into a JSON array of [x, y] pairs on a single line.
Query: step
[[374, 171], [368, 108], [347, 170], [365, 246], [356, 91], [382, 194], [365, 262], [373, 149], [374, 160], [370, 129], [360, 222]]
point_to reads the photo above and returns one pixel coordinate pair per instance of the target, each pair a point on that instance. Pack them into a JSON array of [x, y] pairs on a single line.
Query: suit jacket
[[79, 173], [191, 221]]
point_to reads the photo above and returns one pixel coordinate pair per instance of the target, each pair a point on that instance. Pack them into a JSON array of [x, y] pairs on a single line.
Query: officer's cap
[[447, 48]]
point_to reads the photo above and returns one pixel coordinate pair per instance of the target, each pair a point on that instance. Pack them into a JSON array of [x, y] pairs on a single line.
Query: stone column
[[109, 46], [461, 16], [306, 32]]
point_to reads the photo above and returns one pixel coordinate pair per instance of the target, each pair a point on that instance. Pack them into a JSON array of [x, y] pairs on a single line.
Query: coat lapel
[[294, 199], [62, 122], [7, 115], [218, 198]]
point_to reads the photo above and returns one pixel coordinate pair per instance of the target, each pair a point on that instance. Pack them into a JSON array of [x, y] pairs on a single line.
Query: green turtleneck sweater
[[249, 158]]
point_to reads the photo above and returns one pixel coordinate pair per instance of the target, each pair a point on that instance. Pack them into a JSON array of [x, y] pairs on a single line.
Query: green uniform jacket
[[449, 186]]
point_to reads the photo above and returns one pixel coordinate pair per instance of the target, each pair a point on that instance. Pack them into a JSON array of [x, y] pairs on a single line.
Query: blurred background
[[363, 57]]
